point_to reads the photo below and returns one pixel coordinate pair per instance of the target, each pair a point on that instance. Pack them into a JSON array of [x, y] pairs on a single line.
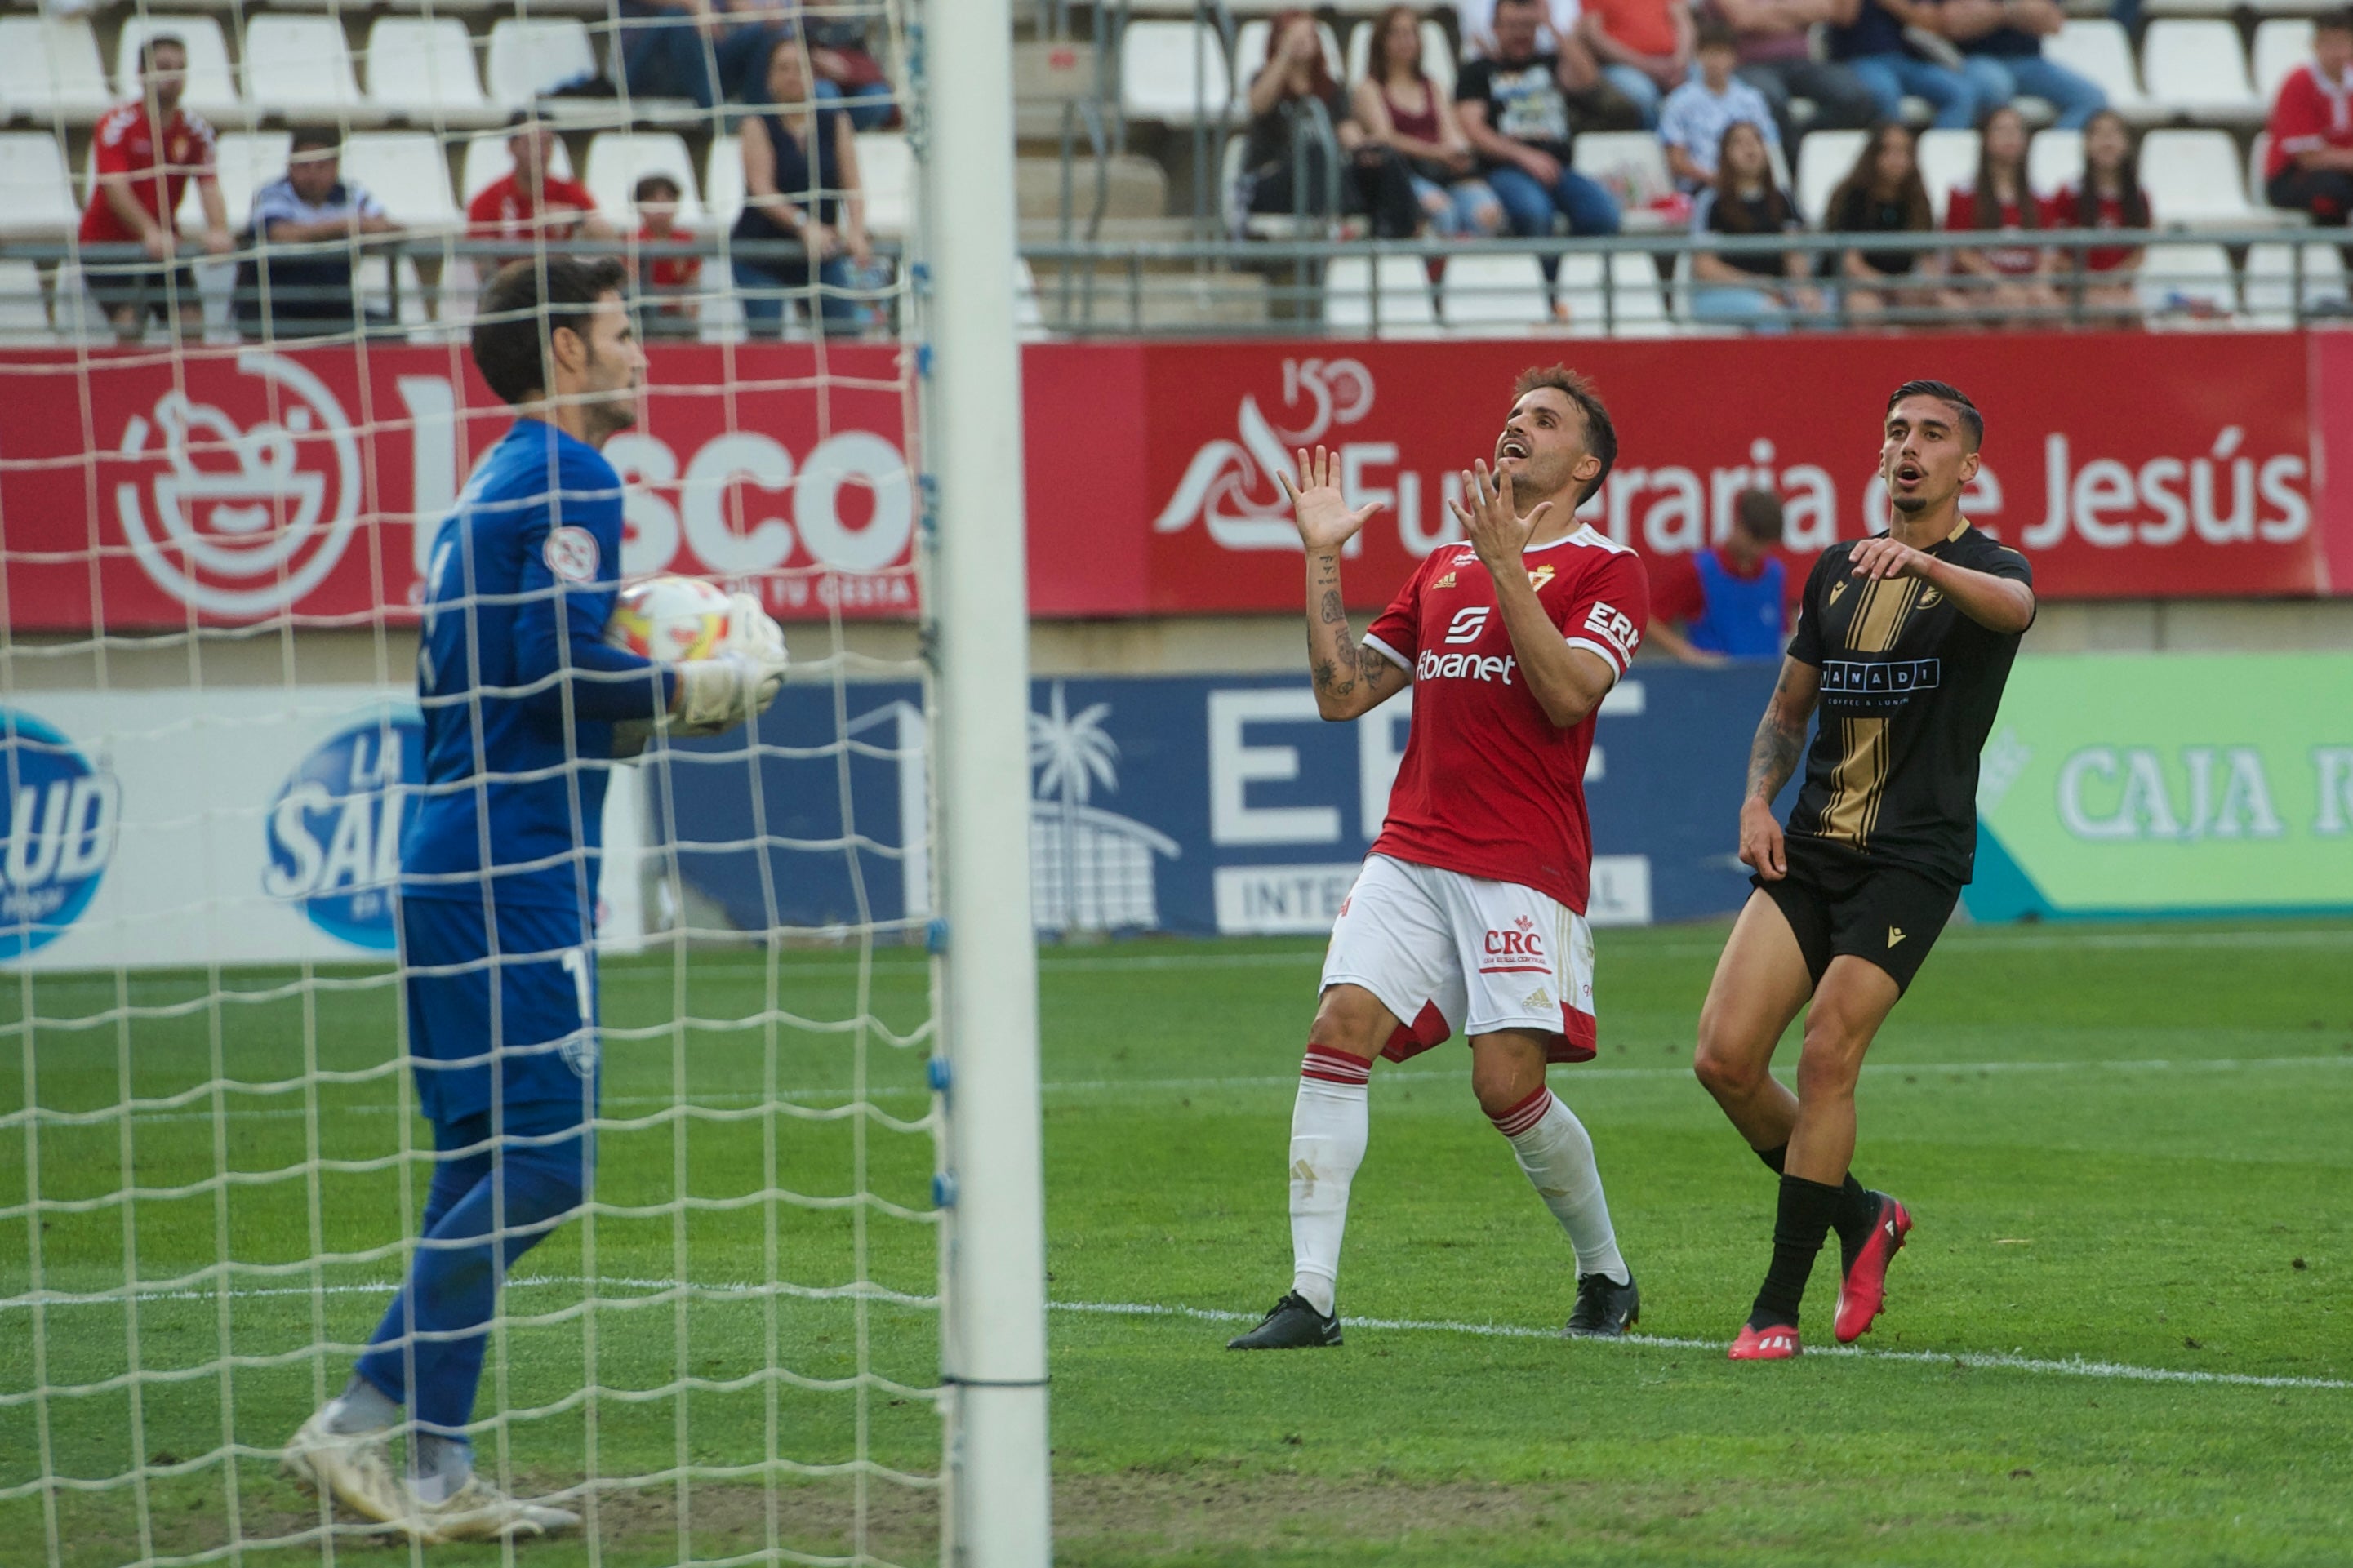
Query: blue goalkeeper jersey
[[519, 691]]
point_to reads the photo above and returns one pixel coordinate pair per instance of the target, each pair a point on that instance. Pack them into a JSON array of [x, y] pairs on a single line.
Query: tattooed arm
[[1773, 758], [1350, 678]]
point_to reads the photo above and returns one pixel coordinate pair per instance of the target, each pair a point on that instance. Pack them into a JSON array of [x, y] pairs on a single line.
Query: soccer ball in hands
[[670, 619]]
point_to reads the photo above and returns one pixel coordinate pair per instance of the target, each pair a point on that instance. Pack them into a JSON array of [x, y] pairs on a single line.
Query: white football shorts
[[1450, 953]]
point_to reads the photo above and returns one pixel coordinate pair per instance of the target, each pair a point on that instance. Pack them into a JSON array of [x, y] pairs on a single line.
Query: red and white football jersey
[[1488, 787], [160, 166]]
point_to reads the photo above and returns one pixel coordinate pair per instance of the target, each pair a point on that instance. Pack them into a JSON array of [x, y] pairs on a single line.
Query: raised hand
[[1490, 523], [1318, 507], [1884, 557]]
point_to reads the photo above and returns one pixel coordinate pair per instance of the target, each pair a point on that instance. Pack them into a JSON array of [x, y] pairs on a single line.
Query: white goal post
[[993, 1257]]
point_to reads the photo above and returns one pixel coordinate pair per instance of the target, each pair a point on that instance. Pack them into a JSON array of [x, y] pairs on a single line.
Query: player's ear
[[1969, 466], [1585, 467]]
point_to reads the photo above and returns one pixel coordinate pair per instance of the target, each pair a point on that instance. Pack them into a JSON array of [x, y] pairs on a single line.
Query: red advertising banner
[[142, 490], [2155, 466], [139, 491]]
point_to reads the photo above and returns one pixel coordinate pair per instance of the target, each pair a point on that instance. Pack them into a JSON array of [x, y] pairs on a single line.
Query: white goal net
[[220, 483]]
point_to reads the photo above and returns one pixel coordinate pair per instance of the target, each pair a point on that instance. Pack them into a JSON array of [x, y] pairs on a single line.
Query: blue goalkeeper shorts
[[526, 1004]]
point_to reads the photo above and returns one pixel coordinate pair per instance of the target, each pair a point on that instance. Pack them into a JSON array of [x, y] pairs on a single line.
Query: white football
[[670, 618]]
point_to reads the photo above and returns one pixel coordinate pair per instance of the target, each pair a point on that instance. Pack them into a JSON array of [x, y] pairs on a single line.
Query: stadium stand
[[2194, 177], [2100, 48], [302, 67], [2281, 43], [1389, 296], [36, 199], [212, 85], [887, 169], [248, 160], [1948, 158], [2054, 159], [407, 172], [486, 160], [2273, 298], [1249, 52], [1493, 294], [529, 56], [1824, 159], [1437, 55], [617, 159], [1165, 75], [49, 70], [2188, 284], [2196, 67], [421, 70]]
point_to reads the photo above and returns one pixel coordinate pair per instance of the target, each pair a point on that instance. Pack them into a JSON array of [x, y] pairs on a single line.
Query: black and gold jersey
[[1910, 687]]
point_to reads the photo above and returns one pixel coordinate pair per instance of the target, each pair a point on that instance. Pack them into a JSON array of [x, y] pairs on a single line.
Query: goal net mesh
[[218, 485]]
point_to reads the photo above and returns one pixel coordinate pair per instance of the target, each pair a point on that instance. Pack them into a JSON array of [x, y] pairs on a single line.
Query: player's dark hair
[[1972, 422], [1987, 211], [315, 139], [1600, 436], [153, 41], [656, 188], [1758, 513], [519, 315], [2337, 21]]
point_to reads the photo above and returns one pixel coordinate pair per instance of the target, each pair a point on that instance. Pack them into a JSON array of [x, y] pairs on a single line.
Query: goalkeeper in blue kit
[[526, 709]]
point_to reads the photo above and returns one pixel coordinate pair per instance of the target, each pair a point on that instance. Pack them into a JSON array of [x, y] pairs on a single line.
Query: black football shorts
[[1839, 901]]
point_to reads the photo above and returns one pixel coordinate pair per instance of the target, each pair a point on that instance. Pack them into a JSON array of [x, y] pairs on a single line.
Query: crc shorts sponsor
[[1450, 953]]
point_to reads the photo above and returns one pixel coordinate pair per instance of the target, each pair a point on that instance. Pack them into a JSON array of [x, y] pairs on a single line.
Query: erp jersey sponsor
[[333, 831], [58, 813]]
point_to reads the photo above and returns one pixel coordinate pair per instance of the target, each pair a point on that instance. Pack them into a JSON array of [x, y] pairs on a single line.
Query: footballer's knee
[[1724, 1061], [1831, 1060], [1505, 1070], [1351, 1020]]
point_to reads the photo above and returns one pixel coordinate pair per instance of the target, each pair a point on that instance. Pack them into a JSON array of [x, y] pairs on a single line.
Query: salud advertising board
[[235, 487]]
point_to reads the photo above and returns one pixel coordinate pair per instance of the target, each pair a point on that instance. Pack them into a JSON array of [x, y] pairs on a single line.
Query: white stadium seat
[[49, 69], [1824, 159], [24, 317], [421, 69], [1638, 305], [248, 160], [531, 56], [1948, 158], [1165, 76], [407, 172], [886, 169], [2196, 65], [1437, 55], [212, 90], [2182, 284], [2193, 177], [36, 199], [1630, 163], [2281, 43], [487, 162], [299, 66], [2100, 48], [1495, 296], [1250, 46], [2271, 281], [617, 159], [2054, 160], [723, 181], [1386, 295]]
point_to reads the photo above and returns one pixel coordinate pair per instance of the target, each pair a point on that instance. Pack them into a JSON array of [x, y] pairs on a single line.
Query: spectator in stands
[[1777, 58], [531, 202], [1887, 44], [841, 56], [1693, 122], [2011, 282], [800, 187], [696, 49], [2001, 51], [1644, 47], [306, 228], [1759, 290], [1287, 164], [1728, 602], [2108, 194], [1401, 108], [1475, 19], [2310, 165], [145, 152], [1883, 193], [668, 284], [1515, 108]]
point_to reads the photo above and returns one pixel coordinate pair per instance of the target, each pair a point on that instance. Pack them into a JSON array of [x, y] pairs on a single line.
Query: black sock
[[1806, 1211], [1775, 1157], [1858, 1211]]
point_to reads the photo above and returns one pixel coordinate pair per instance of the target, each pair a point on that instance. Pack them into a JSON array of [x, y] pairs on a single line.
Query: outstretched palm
[[1318, 507]]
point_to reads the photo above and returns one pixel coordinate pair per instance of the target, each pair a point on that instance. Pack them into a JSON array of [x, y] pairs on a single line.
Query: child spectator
[[2310, 165], [2009, 277], [1695, 116], [2107, 196], [1399, 107], [670, 282], [1759, 290], [1882, 193]]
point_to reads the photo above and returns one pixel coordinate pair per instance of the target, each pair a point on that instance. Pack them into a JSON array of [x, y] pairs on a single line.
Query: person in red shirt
[[2107, 196], [1731, 600], [531, 202], [1644, 47], [671, 282], [2310, 165], [2008, 283], [1470, 912], [146, 151]]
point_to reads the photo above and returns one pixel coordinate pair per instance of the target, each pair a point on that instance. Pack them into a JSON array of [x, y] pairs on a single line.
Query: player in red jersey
[[146, 151], [533, 201], [1469, 911]]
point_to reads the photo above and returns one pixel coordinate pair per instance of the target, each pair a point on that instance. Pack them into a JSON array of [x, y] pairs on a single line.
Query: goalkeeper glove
[[737, 684]]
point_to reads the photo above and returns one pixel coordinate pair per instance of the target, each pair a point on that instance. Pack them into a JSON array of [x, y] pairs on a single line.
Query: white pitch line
[[1986, 1361]]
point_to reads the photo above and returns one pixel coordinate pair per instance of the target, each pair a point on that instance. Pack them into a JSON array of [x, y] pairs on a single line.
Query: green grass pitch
[[2125, 1146]]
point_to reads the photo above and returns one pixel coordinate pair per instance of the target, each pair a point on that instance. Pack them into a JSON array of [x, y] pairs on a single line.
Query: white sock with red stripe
[[1554, 1150], [1330, 1122]]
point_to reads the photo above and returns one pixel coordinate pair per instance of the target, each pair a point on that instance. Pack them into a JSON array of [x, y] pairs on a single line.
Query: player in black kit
[[1905, 641]]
